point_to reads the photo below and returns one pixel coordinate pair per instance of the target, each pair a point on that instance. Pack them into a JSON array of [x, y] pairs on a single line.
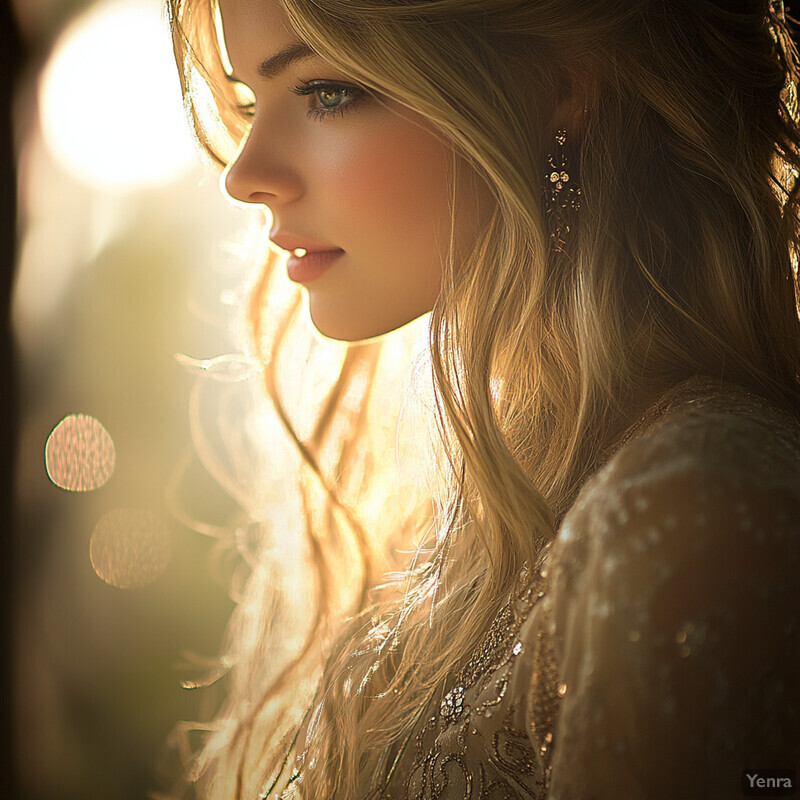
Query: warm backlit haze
[[127, 255], [144, 438]]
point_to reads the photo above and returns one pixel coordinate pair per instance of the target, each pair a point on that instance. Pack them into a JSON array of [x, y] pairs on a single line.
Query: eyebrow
[[273, 66]]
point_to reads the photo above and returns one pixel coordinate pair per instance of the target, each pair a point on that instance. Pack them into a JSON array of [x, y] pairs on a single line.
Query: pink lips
[[318, 259], [303, 269]]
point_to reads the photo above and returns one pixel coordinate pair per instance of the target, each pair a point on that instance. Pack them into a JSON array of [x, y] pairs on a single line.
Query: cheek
[[387, 181]]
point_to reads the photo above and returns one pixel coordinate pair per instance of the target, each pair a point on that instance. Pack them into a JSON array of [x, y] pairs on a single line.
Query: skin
[[368, 177]]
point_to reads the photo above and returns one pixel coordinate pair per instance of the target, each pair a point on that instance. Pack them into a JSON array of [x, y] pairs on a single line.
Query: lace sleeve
[[675, 614]]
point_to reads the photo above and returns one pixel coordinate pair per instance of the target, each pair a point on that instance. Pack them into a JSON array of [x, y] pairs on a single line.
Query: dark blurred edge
[[10, 65]]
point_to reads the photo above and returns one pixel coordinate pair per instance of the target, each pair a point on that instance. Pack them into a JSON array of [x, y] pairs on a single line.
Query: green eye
[[330, 98]]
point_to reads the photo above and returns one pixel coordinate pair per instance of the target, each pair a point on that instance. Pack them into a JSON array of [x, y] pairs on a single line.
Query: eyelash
[[306, 89]]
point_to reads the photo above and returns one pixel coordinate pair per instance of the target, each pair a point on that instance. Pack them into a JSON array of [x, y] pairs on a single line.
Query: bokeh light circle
[[110, 99], [79, 454], [130, 548]]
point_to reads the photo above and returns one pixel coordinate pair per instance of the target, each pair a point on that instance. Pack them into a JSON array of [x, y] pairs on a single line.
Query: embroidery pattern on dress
[[474, 745]]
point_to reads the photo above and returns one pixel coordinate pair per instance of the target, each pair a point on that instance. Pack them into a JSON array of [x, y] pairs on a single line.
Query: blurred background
[[126, 254]]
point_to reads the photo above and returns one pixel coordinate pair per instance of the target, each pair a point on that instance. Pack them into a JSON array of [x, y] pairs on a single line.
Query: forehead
[[253, 30]]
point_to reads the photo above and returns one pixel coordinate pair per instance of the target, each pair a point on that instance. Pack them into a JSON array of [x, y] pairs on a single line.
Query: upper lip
[[291, 242]]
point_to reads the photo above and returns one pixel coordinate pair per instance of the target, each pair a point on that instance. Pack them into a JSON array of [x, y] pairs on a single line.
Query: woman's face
[[364, 186]]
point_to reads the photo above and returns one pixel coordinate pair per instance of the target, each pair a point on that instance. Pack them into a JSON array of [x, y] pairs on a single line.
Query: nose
[[263, 172]]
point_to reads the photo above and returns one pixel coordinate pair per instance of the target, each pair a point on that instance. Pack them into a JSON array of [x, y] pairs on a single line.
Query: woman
[[597, 202]]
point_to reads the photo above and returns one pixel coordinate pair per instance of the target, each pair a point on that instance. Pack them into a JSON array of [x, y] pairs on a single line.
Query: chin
[[355, 328], [349, 331]]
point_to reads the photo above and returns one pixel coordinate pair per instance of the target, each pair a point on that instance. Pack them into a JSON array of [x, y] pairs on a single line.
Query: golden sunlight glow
[[130, 548], [110, 99], [79, 455]]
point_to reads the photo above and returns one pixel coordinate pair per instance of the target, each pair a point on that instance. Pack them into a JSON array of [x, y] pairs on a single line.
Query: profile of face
[[361, 183]]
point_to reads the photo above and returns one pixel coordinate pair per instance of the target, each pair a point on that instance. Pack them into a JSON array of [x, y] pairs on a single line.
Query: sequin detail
[[453, 703]]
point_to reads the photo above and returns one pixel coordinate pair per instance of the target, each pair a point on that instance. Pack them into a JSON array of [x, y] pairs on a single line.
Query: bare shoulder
[[674, 594]]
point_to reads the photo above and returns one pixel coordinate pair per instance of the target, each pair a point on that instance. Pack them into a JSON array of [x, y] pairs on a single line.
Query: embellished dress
[[655, 651]]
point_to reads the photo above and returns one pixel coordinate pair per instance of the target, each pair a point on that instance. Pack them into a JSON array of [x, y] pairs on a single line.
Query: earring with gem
[[562, 193]]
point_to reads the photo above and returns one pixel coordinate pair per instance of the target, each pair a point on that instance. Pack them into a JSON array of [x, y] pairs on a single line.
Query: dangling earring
[[562, 193]]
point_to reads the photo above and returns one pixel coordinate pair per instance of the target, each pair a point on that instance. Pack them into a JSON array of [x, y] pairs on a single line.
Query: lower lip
[[303, 269]]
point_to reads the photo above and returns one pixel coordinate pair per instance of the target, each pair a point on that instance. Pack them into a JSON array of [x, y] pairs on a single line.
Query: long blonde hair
[[681, 262]]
